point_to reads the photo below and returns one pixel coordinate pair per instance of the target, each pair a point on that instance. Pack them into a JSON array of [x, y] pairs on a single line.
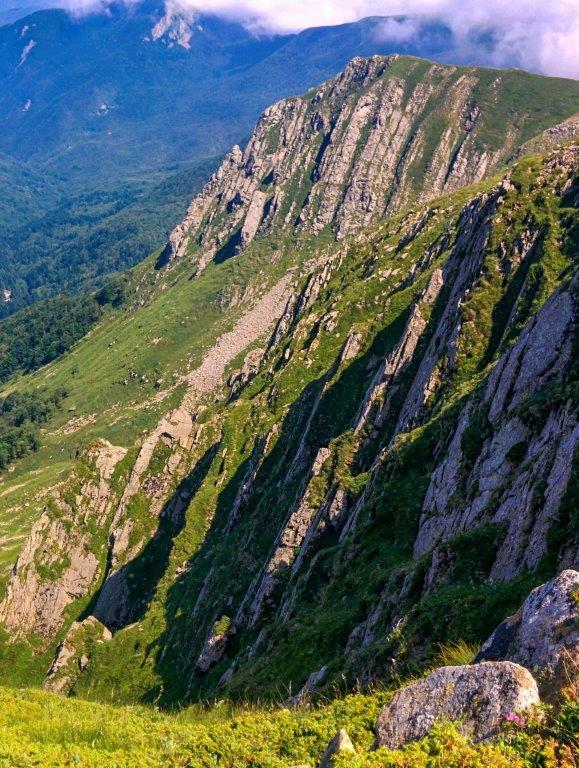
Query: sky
[[542, 35]]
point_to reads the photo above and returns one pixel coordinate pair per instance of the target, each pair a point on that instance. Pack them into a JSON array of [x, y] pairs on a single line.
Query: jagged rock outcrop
[[384, 132], [248, 371], [175, 27], [515, 461], [214, 646], [73, 654], [379, 395], [60, 560], [299, 302], [301, 523], [464, 264], [543, 635], [478, 696], [315, 679], [433, 333], [458, 274]]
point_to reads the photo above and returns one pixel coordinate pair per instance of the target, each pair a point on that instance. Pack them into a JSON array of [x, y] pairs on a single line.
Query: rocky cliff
[[386, 132], [374, 453]]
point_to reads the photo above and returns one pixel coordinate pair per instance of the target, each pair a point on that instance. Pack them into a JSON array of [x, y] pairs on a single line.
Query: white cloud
[[542, 35], [397, 30], [535, 34]]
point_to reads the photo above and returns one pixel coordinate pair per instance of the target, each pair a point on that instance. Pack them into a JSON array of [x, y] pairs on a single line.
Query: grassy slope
[[336, 596], [164, 339], [186, 316], [44, 729]]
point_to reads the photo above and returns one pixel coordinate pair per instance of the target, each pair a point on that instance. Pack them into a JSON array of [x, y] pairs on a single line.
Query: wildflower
[[515, 719]]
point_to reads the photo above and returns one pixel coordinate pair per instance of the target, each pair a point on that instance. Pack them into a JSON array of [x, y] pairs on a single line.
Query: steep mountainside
[[385, 133], [116, 109], [335, 428]]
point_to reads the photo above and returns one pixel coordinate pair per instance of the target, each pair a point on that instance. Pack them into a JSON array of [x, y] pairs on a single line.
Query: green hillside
[[319, 447], [42, 729], [111, 379]]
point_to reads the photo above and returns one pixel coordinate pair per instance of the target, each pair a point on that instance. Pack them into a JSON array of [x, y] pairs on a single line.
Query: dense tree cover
[[20, 418], [73, 243], [37, 335]]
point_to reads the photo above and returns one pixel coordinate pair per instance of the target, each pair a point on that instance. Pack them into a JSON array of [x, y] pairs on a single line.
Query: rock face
[[58, 563], [177, 431], [505, 487], [543, 635], [384, 132], [341, 743], [314, 680], [73, 654], [213, 648], [479, 696]]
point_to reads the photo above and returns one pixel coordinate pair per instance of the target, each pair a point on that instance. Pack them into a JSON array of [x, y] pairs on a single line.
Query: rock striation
[[385, 132], [60, 560], [505, 486]]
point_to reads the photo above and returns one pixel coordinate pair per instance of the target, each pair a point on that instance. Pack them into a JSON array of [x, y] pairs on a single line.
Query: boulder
[[340, 743], [543, 635], [479, 696]]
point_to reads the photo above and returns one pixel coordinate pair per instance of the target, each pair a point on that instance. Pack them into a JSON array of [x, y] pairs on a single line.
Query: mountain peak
[[176, 26]]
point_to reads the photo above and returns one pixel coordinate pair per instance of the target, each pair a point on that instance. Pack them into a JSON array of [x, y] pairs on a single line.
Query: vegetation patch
[[21, 416]]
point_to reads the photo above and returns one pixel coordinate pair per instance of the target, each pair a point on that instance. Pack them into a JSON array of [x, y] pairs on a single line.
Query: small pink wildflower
[[518, 720]]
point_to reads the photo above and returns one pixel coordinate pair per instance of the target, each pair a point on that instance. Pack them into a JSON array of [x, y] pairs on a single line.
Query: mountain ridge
[[76, 105], [311, 460], [397, 144]]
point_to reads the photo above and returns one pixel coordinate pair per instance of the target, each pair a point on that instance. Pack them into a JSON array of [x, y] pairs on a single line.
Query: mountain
[[323, 441], [15, 11], [142, 87], [114, 109]]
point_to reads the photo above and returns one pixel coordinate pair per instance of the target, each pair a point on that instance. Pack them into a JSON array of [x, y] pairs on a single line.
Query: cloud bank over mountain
[[530, 34]]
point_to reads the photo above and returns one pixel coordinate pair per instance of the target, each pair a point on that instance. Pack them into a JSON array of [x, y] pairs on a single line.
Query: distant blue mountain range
[[135, 89], [109, 123]]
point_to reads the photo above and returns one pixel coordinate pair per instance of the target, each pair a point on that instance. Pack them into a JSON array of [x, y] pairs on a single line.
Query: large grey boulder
[[479, 696], [543, 635]]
